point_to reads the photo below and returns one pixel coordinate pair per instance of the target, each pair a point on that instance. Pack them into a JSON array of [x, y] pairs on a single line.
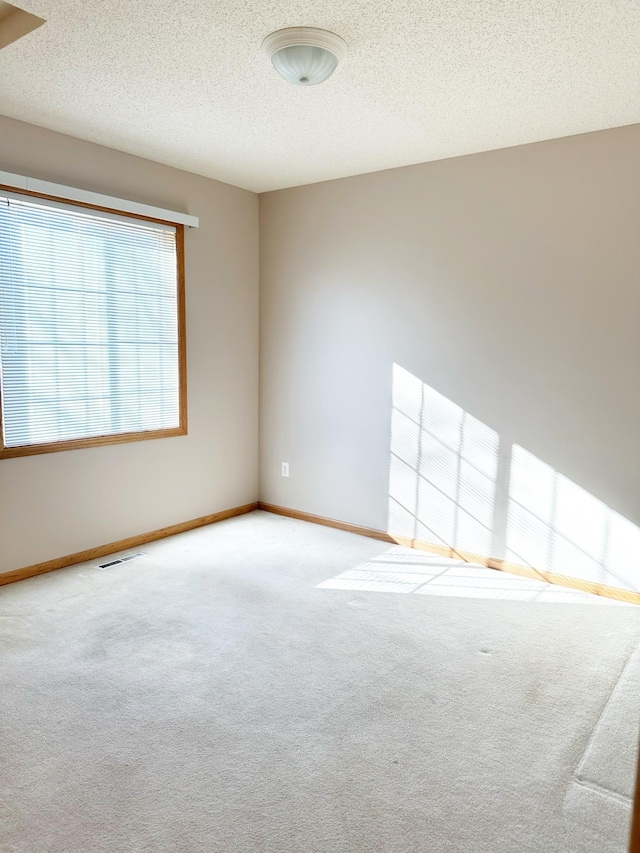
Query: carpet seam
[[605, 792], [605, 708]]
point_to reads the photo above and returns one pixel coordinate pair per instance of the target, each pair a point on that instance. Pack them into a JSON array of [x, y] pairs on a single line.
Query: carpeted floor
[[218, 694]]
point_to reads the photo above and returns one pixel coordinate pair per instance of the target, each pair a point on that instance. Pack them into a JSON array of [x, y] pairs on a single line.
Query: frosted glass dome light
[[304, 56]]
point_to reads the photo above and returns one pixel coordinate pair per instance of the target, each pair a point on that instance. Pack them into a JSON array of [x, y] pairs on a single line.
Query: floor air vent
[[126, 559]]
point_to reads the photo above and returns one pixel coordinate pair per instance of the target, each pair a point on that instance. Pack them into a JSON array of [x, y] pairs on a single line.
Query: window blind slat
[[88, 323]]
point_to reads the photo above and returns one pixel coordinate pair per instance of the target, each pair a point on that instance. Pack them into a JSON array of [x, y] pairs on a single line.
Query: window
[[92, 338]]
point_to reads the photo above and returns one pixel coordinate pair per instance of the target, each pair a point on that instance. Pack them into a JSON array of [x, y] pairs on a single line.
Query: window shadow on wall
[[555, 525], [444, 478], [443, 469]]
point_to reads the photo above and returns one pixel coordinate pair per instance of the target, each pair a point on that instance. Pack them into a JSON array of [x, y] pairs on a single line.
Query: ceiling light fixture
[[304, 55]]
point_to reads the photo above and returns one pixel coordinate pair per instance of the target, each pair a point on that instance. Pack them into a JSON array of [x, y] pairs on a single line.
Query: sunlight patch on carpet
[[406, 570]]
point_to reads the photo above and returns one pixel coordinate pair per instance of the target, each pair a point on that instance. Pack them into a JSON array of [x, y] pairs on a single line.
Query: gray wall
[[507, 280], [56, 504]]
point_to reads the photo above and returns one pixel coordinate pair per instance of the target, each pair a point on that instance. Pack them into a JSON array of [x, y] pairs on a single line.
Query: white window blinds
[[88, 323]]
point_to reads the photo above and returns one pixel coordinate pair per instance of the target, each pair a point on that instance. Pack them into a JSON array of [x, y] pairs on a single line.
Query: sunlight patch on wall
[[555, 525], [443, 481], [443, 469]]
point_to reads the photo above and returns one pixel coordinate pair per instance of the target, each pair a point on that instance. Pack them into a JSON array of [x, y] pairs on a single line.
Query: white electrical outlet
[[285, 469]]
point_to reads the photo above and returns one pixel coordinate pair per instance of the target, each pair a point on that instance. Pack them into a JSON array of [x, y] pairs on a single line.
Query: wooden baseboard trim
[[429, 547], [465, 556], [525, 571], [122, 544], [326, 522]]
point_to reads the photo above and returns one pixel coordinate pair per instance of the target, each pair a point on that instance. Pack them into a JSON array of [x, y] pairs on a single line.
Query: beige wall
[[509, 281], [56, 504]]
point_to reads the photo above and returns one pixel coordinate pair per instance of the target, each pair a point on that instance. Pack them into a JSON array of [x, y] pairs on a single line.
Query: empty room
[[319, 426]]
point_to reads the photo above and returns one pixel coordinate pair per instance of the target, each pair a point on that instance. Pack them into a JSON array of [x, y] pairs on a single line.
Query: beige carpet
[[219, 695]]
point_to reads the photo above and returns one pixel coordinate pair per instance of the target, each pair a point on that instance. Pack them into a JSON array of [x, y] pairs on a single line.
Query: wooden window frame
[[125, 437]]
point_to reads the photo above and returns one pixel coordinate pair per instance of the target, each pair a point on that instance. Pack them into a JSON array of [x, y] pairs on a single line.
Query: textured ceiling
[[186, 83]]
